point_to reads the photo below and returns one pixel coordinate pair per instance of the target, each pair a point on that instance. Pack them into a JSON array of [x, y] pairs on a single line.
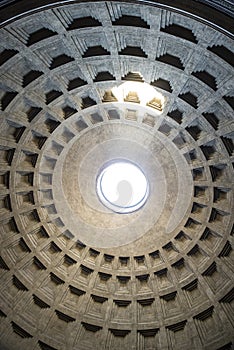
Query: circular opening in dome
[[122, 186]]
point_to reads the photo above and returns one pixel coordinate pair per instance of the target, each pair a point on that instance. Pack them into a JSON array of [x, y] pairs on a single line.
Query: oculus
[[122, 186]]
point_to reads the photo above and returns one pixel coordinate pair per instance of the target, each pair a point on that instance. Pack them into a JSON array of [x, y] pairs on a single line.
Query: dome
[[116, 169]]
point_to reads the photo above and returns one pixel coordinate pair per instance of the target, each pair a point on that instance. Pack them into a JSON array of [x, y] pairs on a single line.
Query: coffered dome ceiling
[[84, 84]]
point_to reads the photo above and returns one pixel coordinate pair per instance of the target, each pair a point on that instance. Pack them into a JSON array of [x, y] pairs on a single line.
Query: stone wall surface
[[75, 275]]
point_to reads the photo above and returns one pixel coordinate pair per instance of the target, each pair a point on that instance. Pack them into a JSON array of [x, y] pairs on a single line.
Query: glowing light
[[122, 186], [144, 92]]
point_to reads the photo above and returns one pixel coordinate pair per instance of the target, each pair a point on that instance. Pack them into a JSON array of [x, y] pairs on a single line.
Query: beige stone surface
[[75, 275]]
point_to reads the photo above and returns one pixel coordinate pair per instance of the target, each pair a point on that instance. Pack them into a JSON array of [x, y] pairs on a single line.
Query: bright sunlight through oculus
[[122, 186]]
